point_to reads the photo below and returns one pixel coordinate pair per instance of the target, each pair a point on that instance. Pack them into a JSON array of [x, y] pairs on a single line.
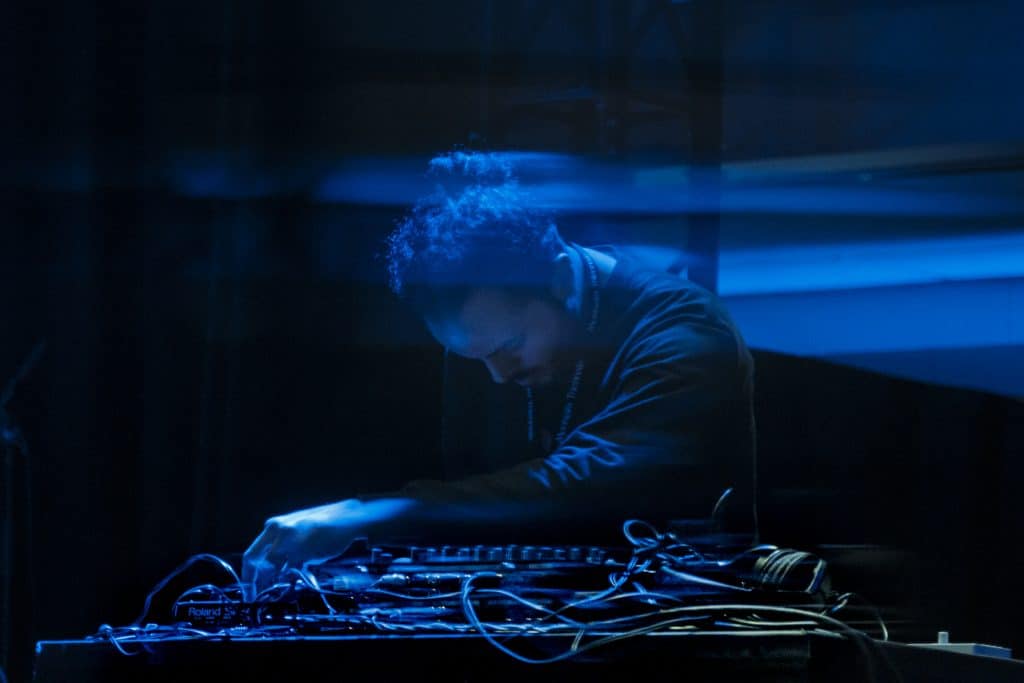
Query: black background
[[216, 357]]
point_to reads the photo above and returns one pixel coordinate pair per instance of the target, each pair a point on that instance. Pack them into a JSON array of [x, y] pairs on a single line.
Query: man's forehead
[[485, 322]]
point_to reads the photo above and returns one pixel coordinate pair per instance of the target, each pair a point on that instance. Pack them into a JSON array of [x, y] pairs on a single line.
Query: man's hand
[[305, 537]]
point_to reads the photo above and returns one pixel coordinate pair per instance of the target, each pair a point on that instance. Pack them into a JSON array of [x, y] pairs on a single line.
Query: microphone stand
[[12, 444], [7, 565]]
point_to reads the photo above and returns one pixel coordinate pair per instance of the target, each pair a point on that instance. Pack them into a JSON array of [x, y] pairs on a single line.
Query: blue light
[[571, 184], [934, 310], [942, 315], [872, 264]]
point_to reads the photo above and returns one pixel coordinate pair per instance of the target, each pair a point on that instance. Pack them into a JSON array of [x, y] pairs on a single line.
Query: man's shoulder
[[653, 278], [662, 309]]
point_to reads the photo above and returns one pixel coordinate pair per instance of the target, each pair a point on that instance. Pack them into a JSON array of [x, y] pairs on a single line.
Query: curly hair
[[477, 229]]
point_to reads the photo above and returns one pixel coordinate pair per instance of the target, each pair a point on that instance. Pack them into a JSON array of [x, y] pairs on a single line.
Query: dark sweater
[[663, 424]]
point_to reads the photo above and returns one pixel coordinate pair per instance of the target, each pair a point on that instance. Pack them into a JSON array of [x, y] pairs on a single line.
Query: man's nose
[[502, 367]]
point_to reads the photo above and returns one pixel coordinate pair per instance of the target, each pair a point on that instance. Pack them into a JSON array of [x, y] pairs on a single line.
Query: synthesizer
[[371, 589]]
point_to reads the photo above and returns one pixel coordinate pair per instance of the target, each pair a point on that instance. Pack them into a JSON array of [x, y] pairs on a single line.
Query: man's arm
[[683, 391], [654, 450]]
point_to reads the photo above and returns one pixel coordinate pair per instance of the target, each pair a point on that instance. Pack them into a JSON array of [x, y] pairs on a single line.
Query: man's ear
[[563, 278]]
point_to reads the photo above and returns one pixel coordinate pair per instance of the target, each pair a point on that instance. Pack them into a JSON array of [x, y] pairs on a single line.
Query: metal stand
[[7, 563], [15, 623]]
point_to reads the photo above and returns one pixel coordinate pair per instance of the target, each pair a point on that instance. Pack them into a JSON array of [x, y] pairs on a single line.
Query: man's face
[[526, 342]]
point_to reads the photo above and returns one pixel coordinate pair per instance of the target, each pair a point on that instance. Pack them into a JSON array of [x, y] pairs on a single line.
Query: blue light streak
[[875, 264]]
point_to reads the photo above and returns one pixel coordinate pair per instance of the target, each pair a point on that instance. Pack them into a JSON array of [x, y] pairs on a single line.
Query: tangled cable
[[629, 607]]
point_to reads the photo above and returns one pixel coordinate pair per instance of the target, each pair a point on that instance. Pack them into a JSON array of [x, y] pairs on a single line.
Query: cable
[[182, 567], [776, 568], [107, 631], [702, 581], [857, 636], [309, 580], [634, 566], [524, 601], [844, 599], [652, 552], [652, 541], [402, 596]]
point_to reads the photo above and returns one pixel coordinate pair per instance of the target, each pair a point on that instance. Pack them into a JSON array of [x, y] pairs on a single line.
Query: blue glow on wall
[[875, 264], [563, 183], [942, 315]]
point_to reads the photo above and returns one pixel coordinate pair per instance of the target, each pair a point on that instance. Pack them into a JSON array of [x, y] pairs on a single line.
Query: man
[[637, 386]]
